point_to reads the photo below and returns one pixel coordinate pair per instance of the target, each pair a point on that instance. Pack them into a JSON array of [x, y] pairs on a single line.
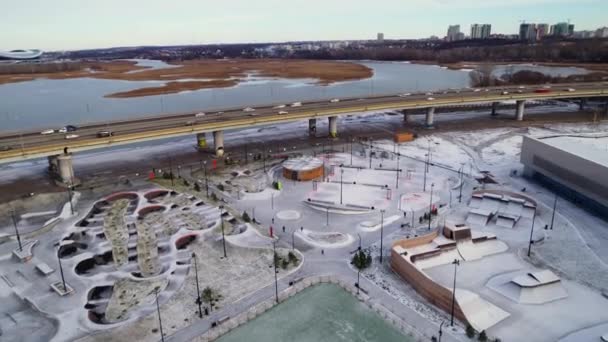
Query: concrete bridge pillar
[[333, 126], [201, 141], [606, 109], [218, 142], [519, 112], [407, 117], [494, 108], [430, 116], [312, 127], [61, 166], [582, 104]]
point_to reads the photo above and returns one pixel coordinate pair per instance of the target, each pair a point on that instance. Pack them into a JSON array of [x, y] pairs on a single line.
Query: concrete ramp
[[505, 222], [529, 288], [479, 217], [480, 313], [469, 251]]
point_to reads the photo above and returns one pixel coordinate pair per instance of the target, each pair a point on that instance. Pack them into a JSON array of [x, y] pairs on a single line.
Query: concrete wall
[[423, 284]]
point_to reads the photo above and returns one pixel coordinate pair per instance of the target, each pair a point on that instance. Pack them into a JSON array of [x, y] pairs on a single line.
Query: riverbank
[[203, 74], [598, 67]]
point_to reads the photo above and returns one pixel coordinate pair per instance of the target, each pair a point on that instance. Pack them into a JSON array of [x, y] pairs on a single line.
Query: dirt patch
[[173, 88]]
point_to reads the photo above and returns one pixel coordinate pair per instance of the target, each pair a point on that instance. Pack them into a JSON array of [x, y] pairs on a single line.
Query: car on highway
[[68, 128], [571, 89], [296, 104], [199, 115], [521, 87], [5, 148], [430, 99], [47, 131], [476, 90], [542, 90], [218, 113], [428, 94], [104, 134], [334, 100], [405, 95], [189, 123], [281, 112], [71, 136], [279, 106], [248, 109], [505, 93]]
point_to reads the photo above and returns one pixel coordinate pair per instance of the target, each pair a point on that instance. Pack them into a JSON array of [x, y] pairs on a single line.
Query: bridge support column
[[494, 108], [606, 109], [430, 116], [407, 117], [62, 168], [201, 141], [582, 103], [218, 143], [333, 126], [312, 127], [519, 112]]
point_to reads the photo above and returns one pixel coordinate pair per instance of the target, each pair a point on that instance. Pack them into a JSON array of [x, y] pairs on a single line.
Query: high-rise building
[[542, 30], [527, 32], [561, 29], [486, 31], [380, 37], [453, 33], [602, 32], [570, 29], [475, 31], [481, 31]]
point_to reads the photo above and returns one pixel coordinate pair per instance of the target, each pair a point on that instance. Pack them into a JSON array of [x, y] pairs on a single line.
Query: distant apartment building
[[454, 33], [481, 31], [584, 34], [570, 29], [602, 32], [380, 37], [542, 30], [527, 31], [561, 29]]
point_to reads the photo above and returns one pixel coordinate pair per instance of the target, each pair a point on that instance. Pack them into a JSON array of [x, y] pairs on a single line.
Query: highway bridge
[[28, 145]]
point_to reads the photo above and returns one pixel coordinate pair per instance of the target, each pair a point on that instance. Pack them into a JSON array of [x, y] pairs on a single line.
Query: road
[[28, 145]]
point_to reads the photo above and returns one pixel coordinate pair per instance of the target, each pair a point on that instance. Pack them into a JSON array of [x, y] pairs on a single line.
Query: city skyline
[[67, 25]]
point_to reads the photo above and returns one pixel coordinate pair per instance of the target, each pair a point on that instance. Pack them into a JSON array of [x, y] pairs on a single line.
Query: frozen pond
[[320, 313]]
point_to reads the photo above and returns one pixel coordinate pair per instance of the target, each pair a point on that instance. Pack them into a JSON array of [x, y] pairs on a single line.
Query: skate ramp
[[529, 288], [480, 313]]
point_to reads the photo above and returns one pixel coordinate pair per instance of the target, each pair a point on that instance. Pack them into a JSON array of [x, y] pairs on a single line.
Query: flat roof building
[[574, 167]]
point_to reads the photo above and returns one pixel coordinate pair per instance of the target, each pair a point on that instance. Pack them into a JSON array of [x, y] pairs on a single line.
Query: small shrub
[[246, 217], [197, 187], [213, 196], [220, 187], [292, 257], [470, 331], [284, 263], [482, 336], [186, 183]]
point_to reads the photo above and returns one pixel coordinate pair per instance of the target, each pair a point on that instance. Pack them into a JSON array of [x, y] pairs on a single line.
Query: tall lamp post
[[397, 178], [531, 233], [425, 168], [553, 215], [223, 235], [65, 289], [69, 189], [198, 290], [274, 262], [160, 322], [171, 170], [382, 211], [341, 182], [431, 206], [456, 263], [461, 172], [16, 229], [206, 179]]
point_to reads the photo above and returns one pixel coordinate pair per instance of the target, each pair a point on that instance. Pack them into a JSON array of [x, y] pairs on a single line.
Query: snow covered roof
[[581, 147]]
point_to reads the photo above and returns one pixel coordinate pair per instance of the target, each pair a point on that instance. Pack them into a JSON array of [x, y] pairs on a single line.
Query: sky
[[81, 24]]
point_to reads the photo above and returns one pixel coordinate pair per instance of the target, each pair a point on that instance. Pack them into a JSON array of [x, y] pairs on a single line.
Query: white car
[[522, 87], [47, 131], [476, 90], [405, 95], [430, 99], [571, 89], [296, 104], [281, 112], [334, 100], [63, 130], [199, 115], [505, 93], [71, 136], [248, 109], [279, 106], [428, 94]]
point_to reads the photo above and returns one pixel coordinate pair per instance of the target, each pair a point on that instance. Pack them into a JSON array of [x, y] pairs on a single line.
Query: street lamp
[[274, 262], [198, 290], [359, 235], [160, 322], [69, 189], [16, 229], [293, 244], [431, 206], [382, 211], [425, 168], [341, 183], [223, 235], [351, 150], [440, 330], [206, 179], [461, 171], [397, 178], [65, 289], [456, 263], [531, 232], [171, 170], [553, 215]]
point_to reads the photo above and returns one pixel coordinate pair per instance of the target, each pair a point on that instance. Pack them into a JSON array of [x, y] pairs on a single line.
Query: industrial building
[[574, 169]]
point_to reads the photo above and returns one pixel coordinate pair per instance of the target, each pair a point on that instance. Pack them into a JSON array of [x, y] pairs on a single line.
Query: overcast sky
[[79, 24]]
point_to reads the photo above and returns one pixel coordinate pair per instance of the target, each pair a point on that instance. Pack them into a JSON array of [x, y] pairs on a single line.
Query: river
[[45, 103]]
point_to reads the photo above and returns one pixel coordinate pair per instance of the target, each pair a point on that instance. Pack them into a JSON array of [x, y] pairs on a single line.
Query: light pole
[[171, 170], [440, 330], [65, 289], [382, 211], [456, 263], [206, 179], [351, 151], [425, 167], [160, 322], [397, 178], [293, 241], [431, 206], [341, 183], [223, 235], [274, 262], [461, 183], [531, 233], [16, 229], [359, 235], [553, 215], [327, 215], [272, 201], [69, 189], [198, 290], [371, 147]]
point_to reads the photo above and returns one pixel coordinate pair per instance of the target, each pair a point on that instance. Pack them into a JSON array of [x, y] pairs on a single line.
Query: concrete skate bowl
[[155, 196], [184, 241], [95, 216], [535, 287], [468, 307], [74, 244], [325, 239], [338, 208], [288, 215], [96, 264], [141, 213]]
